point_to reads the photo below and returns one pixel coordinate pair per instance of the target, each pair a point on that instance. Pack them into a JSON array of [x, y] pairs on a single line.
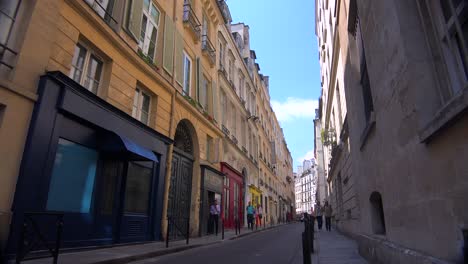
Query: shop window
[[87, 68], [141, 106], [138, 187], [377, 214], [72, 182]]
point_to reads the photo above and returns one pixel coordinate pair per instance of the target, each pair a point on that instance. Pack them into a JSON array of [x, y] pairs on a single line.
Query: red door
[[232, 197]]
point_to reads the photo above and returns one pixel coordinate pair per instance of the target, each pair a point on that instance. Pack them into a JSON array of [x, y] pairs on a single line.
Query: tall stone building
[[130, 117], [401, 70], [306, 186]]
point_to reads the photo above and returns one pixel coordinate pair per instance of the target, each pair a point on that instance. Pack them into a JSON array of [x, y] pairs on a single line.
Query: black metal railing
[[5, 36], [104, 12], [174, 224], [208, 49], [33, 238], [191, 20]]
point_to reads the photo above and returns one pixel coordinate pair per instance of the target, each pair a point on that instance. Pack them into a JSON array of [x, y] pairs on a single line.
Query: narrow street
[[279, 245]]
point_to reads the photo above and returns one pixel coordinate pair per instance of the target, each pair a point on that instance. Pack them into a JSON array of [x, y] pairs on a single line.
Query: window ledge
[[367, 130], [445, 116]]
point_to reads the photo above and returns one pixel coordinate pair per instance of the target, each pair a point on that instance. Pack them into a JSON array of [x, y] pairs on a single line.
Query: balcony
[[225, 131], [225, 11], [234, 139], [208, 50], [191, 22]]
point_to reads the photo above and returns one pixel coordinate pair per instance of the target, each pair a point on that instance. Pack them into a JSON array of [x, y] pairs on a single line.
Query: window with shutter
[[179, 58], [135, 18], [168, 56]]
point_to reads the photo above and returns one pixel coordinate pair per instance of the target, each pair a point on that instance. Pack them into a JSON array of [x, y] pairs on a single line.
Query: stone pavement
[[128, 253], [334, 248]]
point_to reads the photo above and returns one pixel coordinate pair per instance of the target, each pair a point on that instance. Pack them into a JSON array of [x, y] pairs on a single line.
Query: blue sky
[[282, 33]]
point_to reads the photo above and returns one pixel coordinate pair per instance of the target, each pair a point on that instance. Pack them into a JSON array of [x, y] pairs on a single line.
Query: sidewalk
[[334, 248], [125, 254]]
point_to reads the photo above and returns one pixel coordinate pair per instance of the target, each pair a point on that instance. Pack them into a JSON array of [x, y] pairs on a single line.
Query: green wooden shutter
[[179, 60], [134, 19], [168, 56]]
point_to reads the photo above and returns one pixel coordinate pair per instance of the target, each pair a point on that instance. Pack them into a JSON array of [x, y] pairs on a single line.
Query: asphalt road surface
[[280, 245]]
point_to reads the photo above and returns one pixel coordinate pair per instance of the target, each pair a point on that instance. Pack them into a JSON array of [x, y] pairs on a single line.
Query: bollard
[[235, 225], [465, 243], [305, 250], [167, 233], [188, 230], [311, 235], [222, 229]]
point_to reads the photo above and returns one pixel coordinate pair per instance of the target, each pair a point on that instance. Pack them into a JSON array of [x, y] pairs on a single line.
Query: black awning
[[114, 142]]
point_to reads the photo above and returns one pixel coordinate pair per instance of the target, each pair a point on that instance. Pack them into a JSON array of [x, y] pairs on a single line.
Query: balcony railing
[[7, 55], [191, 21], [208, 49], [105, 12]]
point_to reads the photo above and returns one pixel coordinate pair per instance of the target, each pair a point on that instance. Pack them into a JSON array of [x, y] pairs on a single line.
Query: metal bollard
[[465, 243], [167, 233], [305, 250], [222, 229], [188, 230]]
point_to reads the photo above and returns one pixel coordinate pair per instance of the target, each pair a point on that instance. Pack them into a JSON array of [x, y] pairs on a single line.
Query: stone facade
[[167, 80], [406, 93]]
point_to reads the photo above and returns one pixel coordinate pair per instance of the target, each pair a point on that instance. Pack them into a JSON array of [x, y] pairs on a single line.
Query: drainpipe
[[167, 180]]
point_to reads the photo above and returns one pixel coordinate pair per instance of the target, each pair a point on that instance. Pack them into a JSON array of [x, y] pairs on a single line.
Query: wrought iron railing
[[32, 236], [6, 53], [208, 49], [104, 12], [191, 21]]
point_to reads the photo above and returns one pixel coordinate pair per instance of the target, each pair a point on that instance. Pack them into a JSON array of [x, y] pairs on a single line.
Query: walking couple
[[254, 214], [318, 212]]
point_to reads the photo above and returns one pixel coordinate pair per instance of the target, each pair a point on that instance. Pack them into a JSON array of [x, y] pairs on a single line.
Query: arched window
[[377, 214]]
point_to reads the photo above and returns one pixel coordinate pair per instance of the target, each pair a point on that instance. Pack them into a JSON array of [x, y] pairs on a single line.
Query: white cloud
[[309, 155], [294, 108]]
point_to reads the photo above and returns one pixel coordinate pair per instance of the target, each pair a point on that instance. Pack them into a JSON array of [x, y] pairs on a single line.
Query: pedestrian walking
[[259, 215], [250, 216], [318, 215], [214, 216], [327, 210]]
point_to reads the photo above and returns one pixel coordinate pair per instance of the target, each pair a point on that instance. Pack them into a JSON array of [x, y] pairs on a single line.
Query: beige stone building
[[404, 81], [114, 114]]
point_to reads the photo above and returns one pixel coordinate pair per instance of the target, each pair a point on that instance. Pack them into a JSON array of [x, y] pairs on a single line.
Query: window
[[450, 19], [9, 9], [234, 120], [241, 86], [149, 29], [204, 93], [209, 148], [365, 83], [72, 182], [141, 106], [223, 108], [187, 74], [86, 68], [221, 55], [138, 187], [231, 69]]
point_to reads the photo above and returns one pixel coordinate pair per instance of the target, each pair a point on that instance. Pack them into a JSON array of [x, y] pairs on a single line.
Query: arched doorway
[[180, 190]]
